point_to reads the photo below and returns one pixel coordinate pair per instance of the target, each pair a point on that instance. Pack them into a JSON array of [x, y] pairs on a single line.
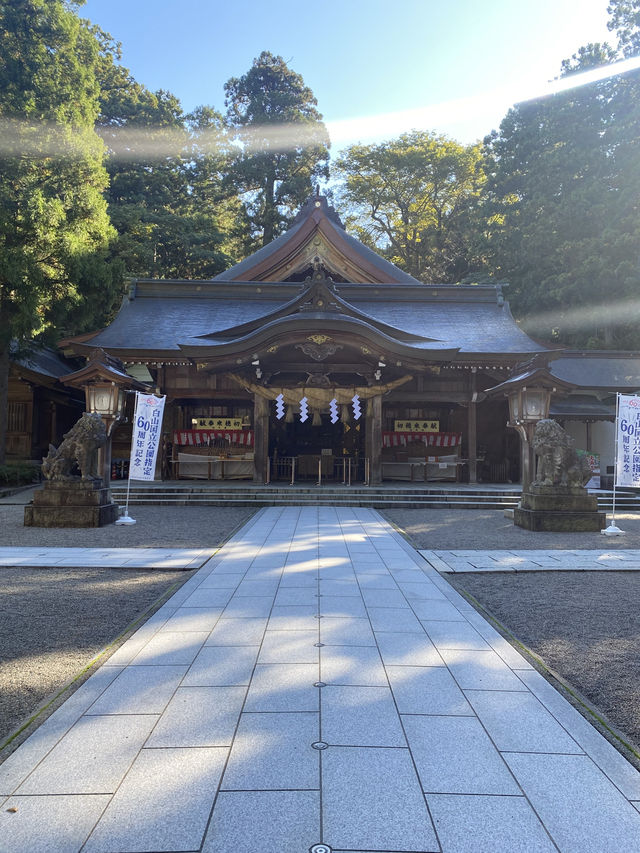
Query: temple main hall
[[315, 358]]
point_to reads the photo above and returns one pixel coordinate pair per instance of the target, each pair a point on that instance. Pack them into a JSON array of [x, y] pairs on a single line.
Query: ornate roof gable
[[319, 298], [316, 232]]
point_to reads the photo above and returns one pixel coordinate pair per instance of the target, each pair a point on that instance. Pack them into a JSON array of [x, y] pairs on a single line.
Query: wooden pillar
[[472, 428], [373, 439], [261, 438], [53, 423], [472, 441], [528, 460], [106, 458], [588, 447]]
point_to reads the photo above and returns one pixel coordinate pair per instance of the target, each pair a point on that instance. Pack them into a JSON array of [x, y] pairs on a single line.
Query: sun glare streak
[[387, 125], [619, 312], [23, 139]]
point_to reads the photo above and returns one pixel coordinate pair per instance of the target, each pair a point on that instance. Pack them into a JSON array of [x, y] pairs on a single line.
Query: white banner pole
[[615, 465], [126, 518], [612, 529]]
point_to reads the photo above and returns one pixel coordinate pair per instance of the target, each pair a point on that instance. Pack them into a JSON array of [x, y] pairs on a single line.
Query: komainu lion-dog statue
[[558, 462], [81, 445]]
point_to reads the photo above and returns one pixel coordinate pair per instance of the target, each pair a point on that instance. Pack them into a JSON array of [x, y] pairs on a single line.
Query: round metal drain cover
[[320, 848], [320, 745], [319, 684]]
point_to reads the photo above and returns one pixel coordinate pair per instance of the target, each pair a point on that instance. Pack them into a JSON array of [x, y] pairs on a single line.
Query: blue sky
[[458, 64]]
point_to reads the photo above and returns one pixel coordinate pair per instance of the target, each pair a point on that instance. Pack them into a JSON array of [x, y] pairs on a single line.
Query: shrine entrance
[[317, 450]]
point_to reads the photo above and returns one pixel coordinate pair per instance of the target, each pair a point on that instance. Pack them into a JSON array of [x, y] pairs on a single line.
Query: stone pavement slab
[[122, 558], [532, 561], [317, 685]]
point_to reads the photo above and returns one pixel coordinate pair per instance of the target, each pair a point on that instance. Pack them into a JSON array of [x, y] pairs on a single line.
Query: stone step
[[340, 496]]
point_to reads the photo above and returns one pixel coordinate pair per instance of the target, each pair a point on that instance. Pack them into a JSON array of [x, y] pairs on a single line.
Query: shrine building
[[315, 356]]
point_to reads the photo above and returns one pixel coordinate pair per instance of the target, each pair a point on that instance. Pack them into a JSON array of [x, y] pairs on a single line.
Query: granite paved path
[[567, 560], [316, 685], [117, 558]]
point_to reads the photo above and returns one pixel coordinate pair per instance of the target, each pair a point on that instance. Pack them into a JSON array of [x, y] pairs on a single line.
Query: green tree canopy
[[168, 196], [53, 216], [562, 203], [415, 198], [624, 21], [284, 143]]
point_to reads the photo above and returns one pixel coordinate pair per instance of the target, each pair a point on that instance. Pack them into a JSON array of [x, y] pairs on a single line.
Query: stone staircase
[[455, 496]]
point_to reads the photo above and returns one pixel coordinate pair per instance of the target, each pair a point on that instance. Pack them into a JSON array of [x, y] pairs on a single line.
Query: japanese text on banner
[[145, 439], [628, 429]]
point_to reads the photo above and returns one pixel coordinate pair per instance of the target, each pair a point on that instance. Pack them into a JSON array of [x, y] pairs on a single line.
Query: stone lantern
[[529, 392], [105, 383], [66, 498], [528, 404], [555, 499]]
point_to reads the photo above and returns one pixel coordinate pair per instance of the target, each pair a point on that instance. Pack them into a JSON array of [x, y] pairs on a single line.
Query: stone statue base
[[559, 509], [71, 503]]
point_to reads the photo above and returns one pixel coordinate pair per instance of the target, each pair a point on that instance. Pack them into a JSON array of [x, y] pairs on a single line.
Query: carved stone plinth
[[559, 509], [71, 503]]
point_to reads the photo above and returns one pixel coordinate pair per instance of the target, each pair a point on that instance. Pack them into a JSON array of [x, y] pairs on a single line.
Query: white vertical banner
[[628, 441], [145, 439]]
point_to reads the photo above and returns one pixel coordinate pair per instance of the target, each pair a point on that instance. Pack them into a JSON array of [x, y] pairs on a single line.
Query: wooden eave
[[344, 328], [539, 376], [25, 374], [95, 371]]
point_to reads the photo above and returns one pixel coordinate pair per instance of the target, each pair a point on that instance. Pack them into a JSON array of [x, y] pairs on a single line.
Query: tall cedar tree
[[285, 145], [168, 197], [563, 204], [415, 199], [53, 216]]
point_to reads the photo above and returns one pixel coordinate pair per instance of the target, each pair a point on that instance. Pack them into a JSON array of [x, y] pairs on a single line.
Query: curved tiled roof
[[315, 212], [593, 369], [166, 316], [151, 321]]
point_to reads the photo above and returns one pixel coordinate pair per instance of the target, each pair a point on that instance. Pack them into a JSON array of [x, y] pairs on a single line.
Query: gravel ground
[[157, 527], [489, 530]]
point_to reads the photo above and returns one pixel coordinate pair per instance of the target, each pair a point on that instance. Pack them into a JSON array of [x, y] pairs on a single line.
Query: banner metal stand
[[613, 529], [126, 518]]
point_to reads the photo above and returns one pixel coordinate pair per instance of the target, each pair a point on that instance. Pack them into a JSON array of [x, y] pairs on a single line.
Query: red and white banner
[[430, 439], [206, 437]]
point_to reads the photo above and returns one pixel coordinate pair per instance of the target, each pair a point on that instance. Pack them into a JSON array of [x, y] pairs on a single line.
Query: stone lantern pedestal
[[559, 509], [71, 503]]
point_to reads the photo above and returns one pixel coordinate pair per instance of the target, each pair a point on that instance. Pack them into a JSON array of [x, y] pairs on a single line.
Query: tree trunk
[[4, 398], [269, 209]]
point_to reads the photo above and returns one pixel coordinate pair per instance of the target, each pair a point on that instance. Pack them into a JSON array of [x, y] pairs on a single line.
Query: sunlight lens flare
[[24, 139], [618, 313]]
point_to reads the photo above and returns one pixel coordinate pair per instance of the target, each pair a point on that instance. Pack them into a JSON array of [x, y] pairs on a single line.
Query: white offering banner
[[145, 439], [628, 436]]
